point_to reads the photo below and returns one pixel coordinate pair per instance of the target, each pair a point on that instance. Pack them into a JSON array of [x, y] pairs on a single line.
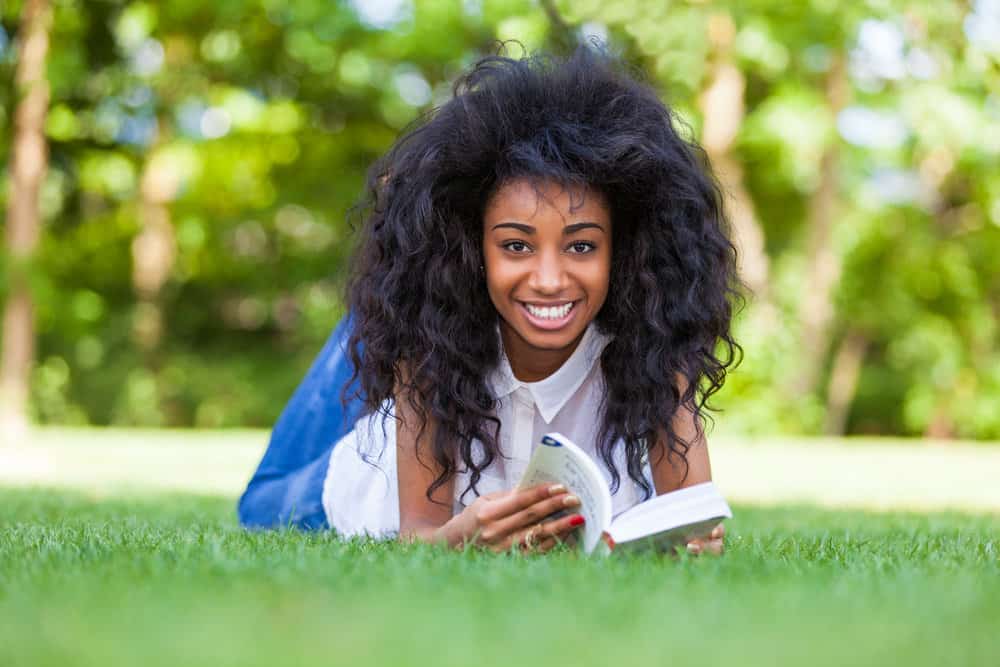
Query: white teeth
[[550, 313]]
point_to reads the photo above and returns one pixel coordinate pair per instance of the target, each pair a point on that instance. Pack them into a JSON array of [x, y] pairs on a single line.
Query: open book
[[661, 523]]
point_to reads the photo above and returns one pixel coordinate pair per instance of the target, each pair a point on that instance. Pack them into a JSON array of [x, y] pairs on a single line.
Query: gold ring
[[529, 537]]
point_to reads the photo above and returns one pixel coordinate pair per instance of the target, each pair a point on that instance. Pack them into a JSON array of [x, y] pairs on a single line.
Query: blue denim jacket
[[287, 488]]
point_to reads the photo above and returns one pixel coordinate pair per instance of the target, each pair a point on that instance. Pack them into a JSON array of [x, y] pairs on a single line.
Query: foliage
[[252, 122], [162, 580]]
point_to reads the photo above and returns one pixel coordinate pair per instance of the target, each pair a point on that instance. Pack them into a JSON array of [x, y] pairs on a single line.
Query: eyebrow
[[567, 230]]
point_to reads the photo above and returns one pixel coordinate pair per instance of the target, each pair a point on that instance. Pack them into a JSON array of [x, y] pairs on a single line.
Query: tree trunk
[[154, 247], [941, 425], [723, 108], [822, 261], [847, 365], [28, 162]]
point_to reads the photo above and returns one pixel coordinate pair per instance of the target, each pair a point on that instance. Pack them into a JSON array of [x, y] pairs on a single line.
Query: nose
[[548, 276]]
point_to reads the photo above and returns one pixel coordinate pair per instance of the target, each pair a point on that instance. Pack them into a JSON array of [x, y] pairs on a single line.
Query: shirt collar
[[551, 393]]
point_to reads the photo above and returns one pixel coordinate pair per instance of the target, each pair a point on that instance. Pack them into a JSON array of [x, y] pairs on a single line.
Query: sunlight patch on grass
[[882, 474]]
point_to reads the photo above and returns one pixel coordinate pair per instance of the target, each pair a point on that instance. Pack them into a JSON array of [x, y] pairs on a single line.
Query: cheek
[[601, 279], [498, 277]]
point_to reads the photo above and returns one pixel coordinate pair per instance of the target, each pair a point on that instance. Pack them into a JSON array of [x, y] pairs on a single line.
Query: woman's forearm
[[417, 530], [424, 531]]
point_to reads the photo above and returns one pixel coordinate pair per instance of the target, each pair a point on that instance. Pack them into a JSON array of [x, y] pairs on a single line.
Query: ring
[[529, 537]]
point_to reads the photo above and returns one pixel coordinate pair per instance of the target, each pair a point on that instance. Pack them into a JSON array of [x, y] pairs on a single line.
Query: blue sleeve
[[287, 488]]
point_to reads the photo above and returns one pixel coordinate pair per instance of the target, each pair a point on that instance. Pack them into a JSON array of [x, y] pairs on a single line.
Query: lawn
[[859, 473], [171, 580]]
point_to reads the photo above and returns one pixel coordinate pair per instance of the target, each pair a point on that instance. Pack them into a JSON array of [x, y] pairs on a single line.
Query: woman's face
[[547, 255]]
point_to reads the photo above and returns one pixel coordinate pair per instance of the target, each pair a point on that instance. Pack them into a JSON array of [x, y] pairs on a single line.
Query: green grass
[[171, 580]]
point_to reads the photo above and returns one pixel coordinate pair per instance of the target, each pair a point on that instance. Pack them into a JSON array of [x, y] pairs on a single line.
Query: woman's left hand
[[712, 544]]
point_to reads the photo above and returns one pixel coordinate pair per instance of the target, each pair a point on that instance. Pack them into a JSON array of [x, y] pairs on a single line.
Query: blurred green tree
[[204, 158]]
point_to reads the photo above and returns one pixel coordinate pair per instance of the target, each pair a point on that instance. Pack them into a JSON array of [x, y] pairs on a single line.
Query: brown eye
[[581, 247], [516, 246]]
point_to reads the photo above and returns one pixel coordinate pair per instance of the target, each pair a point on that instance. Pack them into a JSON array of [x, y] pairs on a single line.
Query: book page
[[558, 461], [671, 519], [668, 541]]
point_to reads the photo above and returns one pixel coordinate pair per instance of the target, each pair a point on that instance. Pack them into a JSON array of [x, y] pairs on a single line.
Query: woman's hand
[[505, 519], [712, 544]]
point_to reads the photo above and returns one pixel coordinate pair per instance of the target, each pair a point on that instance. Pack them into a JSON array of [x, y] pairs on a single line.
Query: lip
[[548, 324], [548, 304]]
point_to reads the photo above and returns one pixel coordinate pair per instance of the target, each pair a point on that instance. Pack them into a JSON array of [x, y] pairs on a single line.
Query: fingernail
[[693, 548], [571, 501], [578, 520], [556, 488]]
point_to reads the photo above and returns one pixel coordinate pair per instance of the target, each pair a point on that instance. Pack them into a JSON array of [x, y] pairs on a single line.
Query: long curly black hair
[[424, 324]]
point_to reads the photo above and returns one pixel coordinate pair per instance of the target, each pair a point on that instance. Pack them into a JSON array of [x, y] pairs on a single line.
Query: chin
[[551, 342], [547, 340]]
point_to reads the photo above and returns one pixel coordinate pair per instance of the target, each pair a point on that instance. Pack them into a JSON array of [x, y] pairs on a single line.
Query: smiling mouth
[[549, 317], [550, 312]]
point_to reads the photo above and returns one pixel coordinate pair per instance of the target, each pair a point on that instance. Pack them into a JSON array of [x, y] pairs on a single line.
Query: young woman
[[542, 253]]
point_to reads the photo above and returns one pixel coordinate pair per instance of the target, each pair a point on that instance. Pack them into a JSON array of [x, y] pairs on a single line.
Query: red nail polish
[[578, 520]]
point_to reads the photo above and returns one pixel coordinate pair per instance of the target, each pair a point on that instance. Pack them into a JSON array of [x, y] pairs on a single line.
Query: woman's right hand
[[505, 519]]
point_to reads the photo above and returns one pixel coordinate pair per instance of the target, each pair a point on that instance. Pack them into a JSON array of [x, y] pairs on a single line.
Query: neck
[[531, 364]]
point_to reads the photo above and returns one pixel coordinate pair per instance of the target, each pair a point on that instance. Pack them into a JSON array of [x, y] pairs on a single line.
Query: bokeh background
[[202, 158]]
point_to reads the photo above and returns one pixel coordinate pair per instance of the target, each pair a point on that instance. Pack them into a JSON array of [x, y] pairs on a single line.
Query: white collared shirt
[[361, 492]]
